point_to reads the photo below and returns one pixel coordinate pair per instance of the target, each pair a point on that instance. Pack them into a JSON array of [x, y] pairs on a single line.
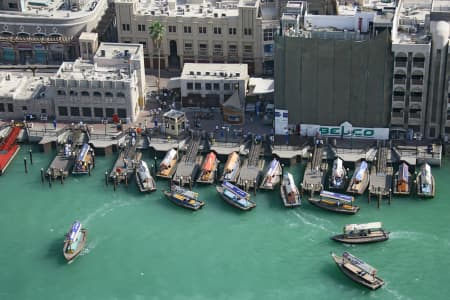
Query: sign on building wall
[[281, 121], [345, 130]]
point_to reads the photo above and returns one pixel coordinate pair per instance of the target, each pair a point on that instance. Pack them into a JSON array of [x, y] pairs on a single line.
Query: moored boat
[[235, 196], [272, 176], [426, 186], [335, 202], [144, 179], [84, 161], [289, 191], [362, 233], [360, 179], [181, 197], [9, 148], [358, 270], [209, 169], [168, 165], [338, 179], [231, 168], [403, 180], [184, 191], [75, 241]]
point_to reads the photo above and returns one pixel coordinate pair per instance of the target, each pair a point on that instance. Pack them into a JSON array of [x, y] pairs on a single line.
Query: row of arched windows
[[26, 34], [87, 94]]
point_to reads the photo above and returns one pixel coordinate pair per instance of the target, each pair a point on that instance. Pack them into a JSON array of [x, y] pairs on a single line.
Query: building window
[[269, 34], [247, 31], [122, 112], [10, 107], [198, 86], [203, 49], [12, 5], [202, 30], [2, 107], [216, 87], [120, 95], [226, 86], [187, 29], [188, 46], [109, 112], [126, 27], [172, 28], [61, 93], [24, 108], [208, 86], [268, 48], [87, 112], [232, 31], [98, 112], [190, 86], [97, 94], [141, 27], [43, 111], [73, 93], [62, 110], [75, 111], [85, 94], [108, 94], [217, 30]]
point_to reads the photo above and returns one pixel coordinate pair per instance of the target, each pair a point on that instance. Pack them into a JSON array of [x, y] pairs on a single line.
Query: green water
[[145, 247]]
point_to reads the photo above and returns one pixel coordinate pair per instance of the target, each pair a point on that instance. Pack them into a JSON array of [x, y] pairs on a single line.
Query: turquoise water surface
[[144, 247]]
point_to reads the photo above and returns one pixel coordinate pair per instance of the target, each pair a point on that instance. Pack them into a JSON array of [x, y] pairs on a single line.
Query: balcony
[[400, 62], [398, 98], [418, 63], [397, 118], [415, 115], [414, 98], [399, 80], [218, 53], [417, 81]]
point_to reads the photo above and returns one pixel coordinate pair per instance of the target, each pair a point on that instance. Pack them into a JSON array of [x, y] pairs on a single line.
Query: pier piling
[[254, 187], [126, 180], [115, 182], [89, 169], [42, 175], [106, 178], [31, 157], [49, 181], [62, 175], [25, 164]]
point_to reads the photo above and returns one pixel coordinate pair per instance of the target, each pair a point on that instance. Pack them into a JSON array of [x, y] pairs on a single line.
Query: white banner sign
[[281, 121], [345, 130]]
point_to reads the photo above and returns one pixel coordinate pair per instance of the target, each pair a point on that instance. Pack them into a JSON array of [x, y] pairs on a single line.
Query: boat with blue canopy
[[360, 179], [235, 196], [336, 202], [84, 161], [75, 241], [273, 175]]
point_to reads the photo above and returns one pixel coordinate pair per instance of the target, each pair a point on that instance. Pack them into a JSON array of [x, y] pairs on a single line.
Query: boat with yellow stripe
[[184, 198], [336, 202]]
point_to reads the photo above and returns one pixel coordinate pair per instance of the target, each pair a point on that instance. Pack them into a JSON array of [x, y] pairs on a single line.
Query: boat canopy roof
[[403, 172], [362, 169], [359, 263], [336, 196], [76, 227], [170, 155], [235, 189], [360, 227]]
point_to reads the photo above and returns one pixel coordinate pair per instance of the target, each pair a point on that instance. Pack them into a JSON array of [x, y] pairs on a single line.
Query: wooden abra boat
[[85, 160], [362, 233], [209, 169], [184, 198], [338, 179], [168, 165], [339, 203], [74, 242], [232, 168], [426, 185], [289, 191], [272, 177], [360, 179], [403, 180], [145, 181], [358, 270], [235, 196]]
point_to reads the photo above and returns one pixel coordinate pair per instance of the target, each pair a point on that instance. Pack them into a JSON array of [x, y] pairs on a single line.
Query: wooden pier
[[251, 169], [381, 175], [315, 172], [188, 166], [126, 162]]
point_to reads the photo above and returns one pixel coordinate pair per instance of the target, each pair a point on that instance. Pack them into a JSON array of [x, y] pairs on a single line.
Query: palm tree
[[156, 31]]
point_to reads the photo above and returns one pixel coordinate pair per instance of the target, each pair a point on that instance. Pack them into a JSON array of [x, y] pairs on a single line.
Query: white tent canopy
[[260, 86], [233, 101], [174, 83]]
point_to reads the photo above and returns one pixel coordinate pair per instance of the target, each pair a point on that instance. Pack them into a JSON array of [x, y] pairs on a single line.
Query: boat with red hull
[[9, 148]]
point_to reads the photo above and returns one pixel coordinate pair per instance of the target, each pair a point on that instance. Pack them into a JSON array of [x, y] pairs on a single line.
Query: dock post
[[115, 182], [25, 164], [89, 169], [154, 159], [181, 181], [190, 183], [368, 196], [106, 178], [49, 181], [390, 196], [93, 159], [126, 180], [254, 187], [379, 199], [31, 157], [62, 175], [246, 186], [42, 175]]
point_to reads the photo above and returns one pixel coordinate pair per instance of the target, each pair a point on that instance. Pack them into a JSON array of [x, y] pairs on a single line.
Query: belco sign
[[345, 130]]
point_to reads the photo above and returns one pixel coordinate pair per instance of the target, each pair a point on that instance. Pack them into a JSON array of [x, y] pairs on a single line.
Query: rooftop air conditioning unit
[[216, 15], [191, 72], [224, 15]]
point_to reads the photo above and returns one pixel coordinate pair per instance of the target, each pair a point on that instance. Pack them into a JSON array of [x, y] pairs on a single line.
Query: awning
[[233, 101], [174, 83], [260, 86]]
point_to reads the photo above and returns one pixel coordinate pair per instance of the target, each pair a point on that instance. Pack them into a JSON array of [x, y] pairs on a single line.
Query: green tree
[[156, 31]]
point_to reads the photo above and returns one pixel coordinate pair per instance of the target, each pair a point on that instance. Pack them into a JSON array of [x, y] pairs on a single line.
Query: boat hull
[[361, 239], [183, 203], [141, 186], [340, 263], [337, 209], [220, 190], [419, 189], [285, 198], [71, 256]]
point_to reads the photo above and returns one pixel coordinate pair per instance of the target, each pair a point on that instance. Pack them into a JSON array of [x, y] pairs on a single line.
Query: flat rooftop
[[191, 8], [54, 9], [22, 87], [411, 22], [87, 70], [215, 71], [441, 6], [118, 51]]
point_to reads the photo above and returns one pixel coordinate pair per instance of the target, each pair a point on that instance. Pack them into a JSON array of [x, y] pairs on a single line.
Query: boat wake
[[105, 209], [313, 221], [395, 294]]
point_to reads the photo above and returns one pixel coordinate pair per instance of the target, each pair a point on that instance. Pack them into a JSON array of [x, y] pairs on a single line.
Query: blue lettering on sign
[[285, 115]]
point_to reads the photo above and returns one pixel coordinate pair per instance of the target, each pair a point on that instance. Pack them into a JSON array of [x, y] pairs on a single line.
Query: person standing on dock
[[54, 124]]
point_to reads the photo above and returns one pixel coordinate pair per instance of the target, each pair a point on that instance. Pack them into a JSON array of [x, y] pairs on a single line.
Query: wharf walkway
[[251, 169], [315, 172], [380, 183], [187, 168], [126, 162]]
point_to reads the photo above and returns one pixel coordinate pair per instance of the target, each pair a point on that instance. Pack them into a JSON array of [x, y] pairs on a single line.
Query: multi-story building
[[46, 31], [420, 101], [229, 31], [98, 86]]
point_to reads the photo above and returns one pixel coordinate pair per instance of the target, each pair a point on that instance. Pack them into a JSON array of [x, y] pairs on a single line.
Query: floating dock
[[251, 169], [315, 172], [126, 161], [188, 166], [380, 184]]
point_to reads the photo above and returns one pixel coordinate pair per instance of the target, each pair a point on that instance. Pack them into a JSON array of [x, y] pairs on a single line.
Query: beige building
[[203, 31]]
